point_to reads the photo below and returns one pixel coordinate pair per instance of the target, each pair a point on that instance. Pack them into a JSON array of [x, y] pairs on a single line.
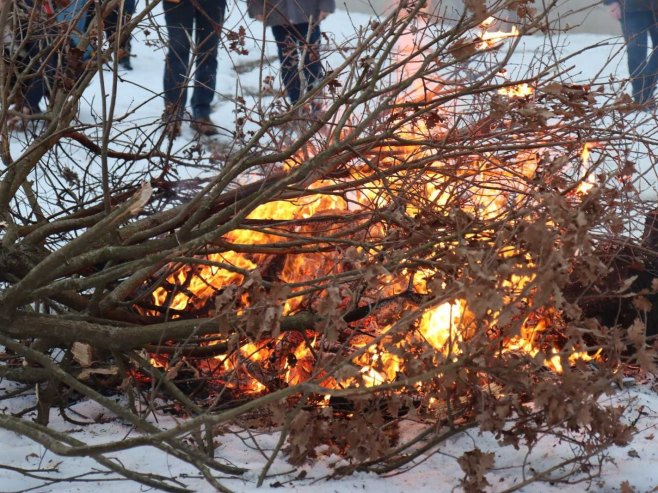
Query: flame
[[158, 362], [527, 342], [441, 325], [486, 187], [517, 91], [589, 181], [490, 39]]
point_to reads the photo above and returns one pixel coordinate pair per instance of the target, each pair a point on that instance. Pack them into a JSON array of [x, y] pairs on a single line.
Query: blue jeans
[[638, 27], [291, 41], [204, 19]]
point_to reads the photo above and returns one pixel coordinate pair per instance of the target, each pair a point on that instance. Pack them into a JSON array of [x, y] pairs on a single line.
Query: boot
[[204, 126], [172, 121], [124, 56]]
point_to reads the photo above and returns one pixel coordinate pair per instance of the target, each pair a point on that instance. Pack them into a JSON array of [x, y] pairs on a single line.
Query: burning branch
[[432, 246]]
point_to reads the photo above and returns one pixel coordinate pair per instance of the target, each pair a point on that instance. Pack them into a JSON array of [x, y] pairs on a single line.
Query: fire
[[490, 39], [586, 184], [517, 91], [527, 342], [485, 186], [441, 326]]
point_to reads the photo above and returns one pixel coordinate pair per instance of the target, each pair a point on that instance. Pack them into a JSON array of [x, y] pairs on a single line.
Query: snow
[[436, 471], [595, 57]]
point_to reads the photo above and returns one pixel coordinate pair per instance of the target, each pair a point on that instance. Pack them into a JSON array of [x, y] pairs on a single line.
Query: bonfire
[[442, 247]]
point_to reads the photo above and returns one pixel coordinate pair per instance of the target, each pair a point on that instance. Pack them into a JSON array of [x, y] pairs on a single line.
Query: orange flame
[[444, 327]]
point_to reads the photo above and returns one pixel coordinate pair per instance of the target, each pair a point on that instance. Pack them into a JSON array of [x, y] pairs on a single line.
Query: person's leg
[[111, 26], [129, 7], [34, 72], [313, 70], [651, 70], [35, 83], [286, 46], [209, 17], [634, 27], [34, 92], [179, 18]]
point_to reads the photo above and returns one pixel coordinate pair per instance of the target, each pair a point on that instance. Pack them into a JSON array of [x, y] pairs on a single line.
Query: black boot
[[124, 56]]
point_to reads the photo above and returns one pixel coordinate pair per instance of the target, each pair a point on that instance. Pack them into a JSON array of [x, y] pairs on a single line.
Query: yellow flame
[[440, 326], [489, 39], [517, 91], [589, 182]]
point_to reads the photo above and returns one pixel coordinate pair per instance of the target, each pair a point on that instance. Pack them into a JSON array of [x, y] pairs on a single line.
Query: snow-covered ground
[[595, 58], [635, 465]]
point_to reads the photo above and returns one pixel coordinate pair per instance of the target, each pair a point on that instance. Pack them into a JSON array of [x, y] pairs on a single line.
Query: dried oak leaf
[[625, 487], [636, 332], [475, 464], [478, 7], [642, 303], [647, 360], [462, 49]]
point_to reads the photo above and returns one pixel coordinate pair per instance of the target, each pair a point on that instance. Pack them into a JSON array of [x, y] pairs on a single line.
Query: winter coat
[[25, 29], [286, 12], [636, 5]]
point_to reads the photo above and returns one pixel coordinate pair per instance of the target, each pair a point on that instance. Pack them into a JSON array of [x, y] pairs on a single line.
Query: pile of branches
[[433, 185]]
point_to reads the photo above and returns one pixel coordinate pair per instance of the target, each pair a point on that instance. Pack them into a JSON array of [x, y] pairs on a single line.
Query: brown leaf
[[646, 360], [475, 464], [553, 88], [642, 303], [478, 7], [636, 332], [625, 487], [462, 49], [633, 453]]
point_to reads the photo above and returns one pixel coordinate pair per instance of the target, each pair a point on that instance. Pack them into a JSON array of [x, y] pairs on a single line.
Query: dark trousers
[[204, 19], [638, 27], [112, 19], [35, 87], [36, 67], [292, 41]]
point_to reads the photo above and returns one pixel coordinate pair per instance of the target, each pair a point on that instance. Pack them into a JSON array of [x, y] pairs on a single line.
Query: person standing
[[200, 20], [639, 23], [111, 25], [29, 59], [295, 25]]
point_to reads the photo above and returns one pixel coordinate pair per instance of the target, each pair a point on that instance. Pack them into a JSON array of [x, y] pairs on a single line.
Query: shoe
[[124, 56], [313, 110], [171, 118], [172, 129], [316, 109], [125, 62], [21, 121], [204, 126]]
